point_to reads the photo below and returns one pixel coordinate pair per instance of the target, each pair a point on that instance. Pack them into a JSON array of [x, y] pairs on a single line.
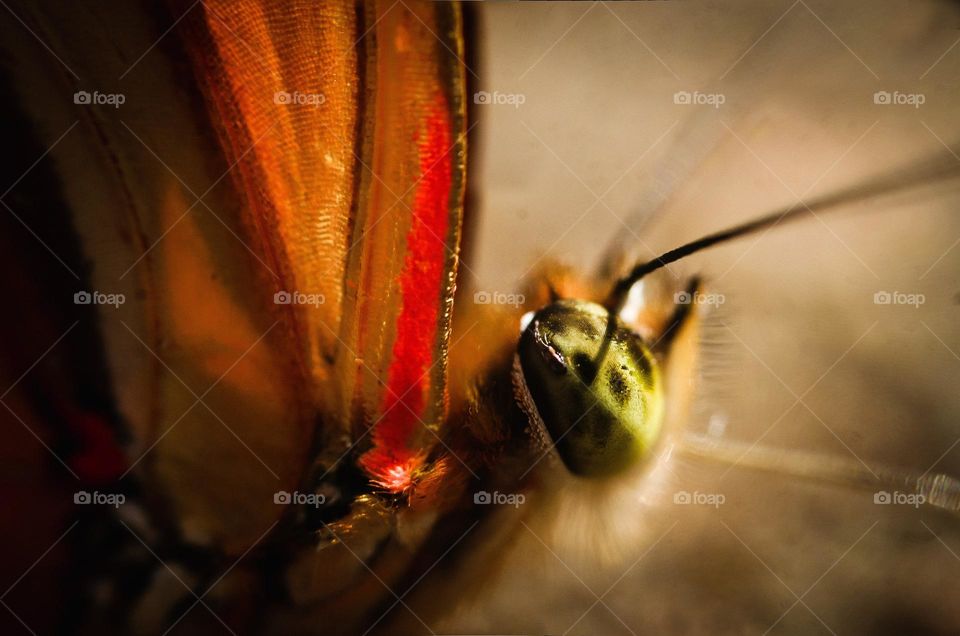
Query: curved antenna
[[937, 490], [926, 173]]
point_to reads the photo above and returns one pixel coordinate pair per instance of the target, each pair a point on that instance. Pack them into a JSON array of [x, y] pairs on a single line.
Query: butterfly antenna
[[937, 490], [926, 173]]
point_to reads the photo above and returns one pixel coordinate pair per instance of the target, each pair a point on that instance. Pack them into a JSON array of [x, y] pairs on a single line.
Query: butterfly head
[[593, 386]]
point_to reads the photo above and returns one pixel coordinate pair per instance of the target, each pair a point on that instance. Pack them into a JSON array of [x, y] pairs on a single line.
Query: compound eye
[[602, 414]]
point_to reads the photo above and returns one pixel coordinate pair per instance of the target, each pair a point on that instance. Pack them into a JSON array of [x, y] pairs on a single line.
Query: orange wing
[[347, 126], [323, 159]]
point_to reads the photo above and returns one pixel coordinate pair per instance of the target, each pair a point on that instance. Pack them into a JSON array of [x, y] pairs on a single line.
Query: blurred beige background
[[798, 356]]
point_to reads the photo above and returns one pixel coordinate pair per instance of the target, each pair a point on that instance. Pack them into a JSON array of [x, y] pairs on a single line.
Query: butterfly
[[279, 422]]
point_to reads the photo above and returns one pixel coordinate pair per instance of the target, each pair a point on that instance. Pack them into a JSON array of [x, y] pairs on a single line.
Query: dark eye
[[585, 367]]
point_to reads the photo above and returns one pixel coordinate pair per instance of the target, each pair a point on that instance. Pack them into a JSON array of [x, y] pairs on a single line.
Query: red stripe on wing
[[395, 457]]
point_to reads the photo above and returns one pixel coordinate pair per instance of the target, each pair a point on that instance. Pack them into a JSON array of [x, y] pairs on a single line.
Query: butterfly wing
[[354, 185], [285, 238]]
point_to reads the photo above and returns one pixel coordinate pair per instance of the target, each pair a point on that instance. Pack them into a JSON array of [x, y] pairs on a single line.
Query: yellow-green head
[[603, 413]]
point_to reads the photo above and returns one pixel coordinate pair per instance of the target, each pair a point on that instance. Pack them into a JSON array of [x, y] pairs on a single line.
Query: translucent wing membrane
[[408, 227], [283, 85], [285, 237], [346, 124]]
